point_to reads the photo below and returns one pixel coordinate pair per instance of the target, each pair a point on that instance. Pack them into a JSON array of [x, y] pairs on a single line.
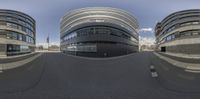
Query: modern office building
[[17, 33], [99, 32], [179, 32]]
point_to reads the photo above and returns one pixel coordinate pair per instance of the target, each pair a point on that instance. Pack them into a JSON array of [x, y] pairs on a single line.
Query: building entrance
[[163, 49]]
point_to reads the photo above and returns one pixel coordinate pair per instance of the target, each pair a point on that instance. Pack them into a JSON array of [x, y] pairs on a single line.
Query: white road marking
[[154, 74], [153, 71]]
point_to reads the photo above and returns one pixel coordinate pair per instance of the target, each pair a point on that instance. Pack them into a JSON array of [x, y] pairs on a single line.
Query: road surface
[[59, 76]]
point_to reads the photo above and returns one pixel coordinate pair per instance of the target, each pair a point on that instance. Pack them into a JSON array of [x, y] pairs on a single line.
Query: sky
[[47, 13]]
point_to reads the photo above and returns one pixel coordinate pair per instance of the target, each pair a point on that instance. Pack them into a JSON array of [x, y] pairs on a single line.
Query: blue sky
[[47, 13]]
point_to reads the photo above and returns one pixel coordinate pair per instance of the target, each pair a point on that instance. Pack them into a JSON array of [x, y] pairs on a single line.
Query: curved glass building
[[17, 33], [99, 32], [179, 32]]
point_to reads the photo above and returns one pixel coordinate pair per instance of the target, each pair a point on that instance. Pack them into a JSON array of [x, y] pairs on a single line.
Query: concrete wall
[[186, 49]]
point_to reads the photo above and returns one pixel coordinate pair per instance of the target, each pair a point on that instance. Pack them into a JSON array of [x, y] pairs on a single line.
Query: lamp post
[[48, 42]]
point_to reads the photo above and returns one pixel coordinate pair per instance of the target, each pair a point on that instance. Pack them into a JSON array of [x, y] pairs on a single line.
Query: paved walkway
[[181, 55], [190, 67], [15, 64]]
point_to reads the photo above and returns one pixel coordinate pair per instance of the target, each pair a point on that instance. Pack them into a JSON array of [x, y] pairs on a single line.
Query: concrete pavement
[[59, 76]]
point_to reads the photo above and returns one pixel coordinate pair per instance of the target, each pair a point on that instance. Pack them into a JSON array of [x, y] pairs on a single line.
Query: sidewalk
[[189, 67], [16, 56], [7, 59], [189, 56], [14, 63], [180, 58]]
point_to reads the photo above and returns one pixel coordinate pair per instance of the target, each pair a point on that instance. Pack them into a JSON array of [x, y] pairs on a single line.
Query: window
[[20, 37], [124, 36], [27, 39], [187, 33], [24, 48], [24, 29], [195, 22], [177, 35], [13, 48], [82, 48], [15, 26], [19, 27], [2, 34], [9, 24], [9, 35], [22, 18], [22, 22], [195, 33], [9, 18], [14, 36], [172, 36], [170, 29], [169, 38], [189, 23], [102, 30], [24, 38]]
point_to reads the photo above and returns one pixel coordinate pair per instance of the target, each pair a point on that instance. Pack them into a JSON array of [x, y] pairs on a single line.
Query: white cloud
[[146, 40], [146, 30]]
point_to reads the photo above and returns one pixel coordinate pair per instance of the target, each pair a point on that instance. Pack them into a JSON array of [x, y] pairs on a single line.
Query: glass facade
[[17, 49], [86, 47], [94, 30], [19, 27], [90, 31], [181, 35], [16, 36], [17, 31], [99, 32]]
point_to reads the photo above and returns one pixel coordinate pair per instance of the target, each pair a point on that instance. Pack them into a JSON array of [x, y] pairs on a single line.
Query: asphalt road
[[59, 76]]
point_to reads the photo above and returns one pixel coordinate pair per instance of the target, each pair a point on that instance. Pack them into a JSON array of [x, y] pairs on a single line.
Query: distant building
[[40, 47], [146, 44], [147, 47], [179, 32], [99, 32], [17, 33], [54, 48]]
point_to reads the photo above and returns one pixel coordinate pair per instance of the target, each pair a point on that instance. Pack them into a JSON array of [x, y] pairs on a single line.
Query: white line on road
[[153, 71], [154, 74]]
